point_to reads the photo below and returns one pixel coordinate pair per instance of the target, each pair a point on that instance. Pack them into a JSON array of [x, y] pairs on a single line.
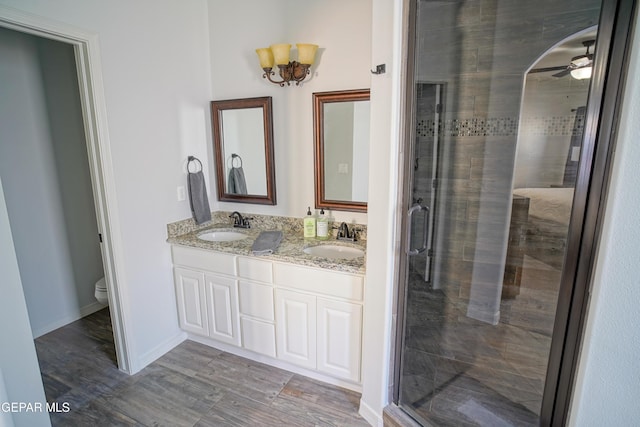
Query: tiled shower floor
[[463, 372]]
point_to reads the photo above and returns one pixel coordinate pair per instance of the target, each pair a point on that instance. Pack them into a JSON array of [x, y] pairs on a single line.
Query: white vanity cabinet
[[222, 308], [296, 320], [319, 319], [190, 294], [339, 337], [207, 293], [296, 315]]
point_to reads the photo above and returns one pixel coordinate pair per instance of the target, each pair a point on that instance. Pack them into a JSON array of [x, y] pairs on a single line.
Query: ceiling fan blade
[[547, 69], [566, 72]]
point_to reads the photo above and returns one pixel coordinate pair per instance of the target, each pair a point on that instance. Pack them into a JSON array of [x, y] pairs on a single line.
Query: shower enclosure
[[495, 192]]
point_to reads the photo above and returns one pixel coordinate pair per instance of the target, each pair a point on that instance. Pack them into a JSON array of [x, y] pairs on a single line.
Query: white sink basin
[[334, 251], [222, 236]]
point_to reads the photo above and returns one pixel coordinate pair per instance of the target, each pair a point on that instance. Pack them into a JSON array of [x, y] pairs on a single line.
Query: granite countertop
[[290, 249]]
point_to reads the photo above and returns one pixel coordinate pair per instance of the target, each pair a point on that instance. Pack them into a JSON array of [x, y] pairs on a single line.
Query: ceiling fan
[[580, 62]]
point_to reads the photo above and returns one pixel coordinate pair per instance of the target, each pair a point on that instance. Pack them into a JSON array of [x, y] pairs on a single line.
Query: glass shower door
[[494, 173]]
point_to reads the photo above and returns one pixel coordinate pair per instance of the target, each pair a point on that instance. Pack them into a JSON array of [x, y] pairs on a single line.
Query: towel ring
[[193, 159], [233, 157]]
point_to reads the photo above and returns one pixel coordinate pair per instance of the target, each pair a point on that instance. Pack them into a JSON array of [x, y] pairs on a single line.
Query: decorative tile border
[[503, 126], [555, 126]]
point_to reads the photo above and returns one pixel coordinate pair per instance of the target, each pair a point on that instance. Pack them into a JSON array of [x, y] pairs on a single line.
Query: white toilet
[[101, 292]]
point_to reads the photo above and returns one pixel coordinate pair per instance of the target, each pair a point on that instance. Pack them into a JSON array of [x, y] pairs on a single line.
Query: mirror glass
[[341, 131], [243, 150]]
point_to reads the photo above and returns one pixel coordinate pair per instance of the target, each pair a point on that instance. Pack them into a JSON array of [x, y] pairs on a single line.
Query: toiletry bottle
[[323, 226], [309, 225]]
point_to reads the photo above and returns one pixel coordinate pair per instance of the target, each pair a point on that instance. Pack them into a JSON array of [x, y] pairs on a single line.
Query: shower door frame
[[585, 230], [594, 170]]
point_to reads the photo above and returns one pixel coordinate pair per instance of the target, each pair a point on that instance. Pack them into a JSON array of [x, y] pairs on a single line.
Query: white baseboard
[[372, 417], [157, 352], [82, 312], [276, 363], [91, 308]]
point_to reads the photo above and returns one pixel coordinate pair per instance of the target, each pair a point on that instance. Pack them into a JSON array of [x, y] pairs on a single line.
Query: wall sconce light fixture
[[290, 71]]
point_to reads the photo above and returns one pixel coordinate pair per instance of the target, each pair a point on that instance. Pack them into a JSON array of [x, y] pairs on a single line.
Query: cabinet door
[[296, 328], [190, 294], [339, 338], [222, 304]]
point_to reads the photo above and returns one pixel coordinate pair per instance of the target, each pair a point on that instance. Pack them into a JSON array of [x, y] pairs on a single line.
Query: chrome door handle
[[425, 233]]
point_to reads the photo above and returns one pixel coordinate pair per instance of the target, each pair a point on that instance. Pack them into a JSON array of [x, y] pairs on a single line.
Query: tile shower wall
[[480, 50]]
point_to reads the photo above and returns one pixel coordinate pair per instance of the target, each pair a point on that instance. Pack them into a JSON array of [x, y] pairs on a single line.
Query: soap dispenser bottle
[[309, 225], [323, 226]]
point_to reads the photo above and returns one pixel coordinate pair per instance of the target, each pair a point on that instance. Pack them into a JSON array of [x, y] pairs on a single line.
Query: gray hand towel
[[198, 197], [266, 242], [237, 184]]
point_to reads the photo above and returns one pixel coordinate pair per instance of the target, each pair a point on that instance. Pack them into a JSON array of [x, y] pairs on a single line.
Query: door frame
[[89, 73], [585, 232], [407, 143], [594, 170]]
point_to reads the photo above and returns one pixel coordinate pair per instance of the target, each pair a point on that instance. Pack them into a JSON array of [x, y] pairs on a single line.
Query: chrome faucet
[[239, 221], [345, 234]]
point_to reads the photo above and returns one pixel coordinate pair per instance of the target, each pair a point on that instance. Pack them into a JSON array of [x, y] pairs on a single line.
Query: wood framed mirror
[[243, 150], [341, 134]]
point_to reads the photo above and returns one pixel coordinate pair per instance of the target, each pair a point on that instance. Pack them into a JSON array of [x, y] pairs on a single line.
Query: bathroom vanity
[[289, 309]]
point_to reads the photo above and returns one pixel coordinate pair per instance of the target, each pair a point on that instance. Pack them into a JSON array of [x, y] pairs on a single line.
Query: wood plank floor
[[192, 385]]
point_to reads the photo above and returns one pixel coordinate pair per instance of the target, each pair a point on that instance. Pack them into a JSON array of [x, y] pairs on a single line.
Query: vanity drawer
[[319, 281], [258, 336], [256, 300], [255, 269], [204, 260]]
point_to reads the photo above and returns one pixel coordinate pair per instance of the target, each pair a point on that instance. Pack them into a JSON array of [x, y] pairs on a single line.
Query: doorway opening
[[48, 193], [92, 168]]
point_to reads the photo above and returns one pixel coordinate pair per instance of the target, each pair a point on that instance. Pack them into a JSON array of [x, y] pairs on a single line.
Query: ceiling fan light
[[581, 73], [581, 61]]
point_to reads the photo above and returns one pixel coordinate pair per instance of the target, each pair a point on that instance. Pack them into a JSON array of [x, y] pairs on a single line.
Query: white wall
[[155, 71], [44, 167], [6, 419], [383, 240], [608, 389], [19, 371], [342, 29]]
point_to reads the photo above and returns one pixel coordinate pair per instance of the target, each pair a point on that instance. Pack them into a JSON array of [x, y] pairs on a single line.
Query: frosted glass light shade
[[265, 56], [581, 73], [281, 53], [306, 53]]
